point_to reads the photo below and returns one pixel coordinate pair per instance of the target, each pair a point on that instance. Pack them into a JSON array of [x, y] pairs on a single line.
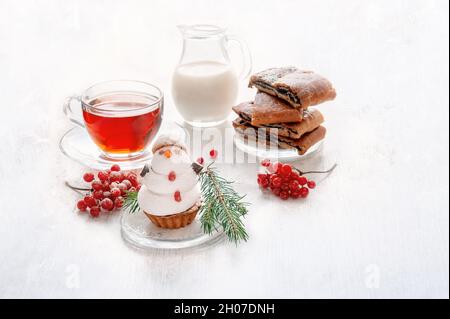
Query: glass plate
[[78, 146], [273, 152], [141, 233]]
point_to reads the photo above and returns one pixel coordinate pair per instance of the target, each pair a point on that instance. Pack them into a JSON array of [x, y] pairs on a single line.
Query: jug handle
[[246, 69]]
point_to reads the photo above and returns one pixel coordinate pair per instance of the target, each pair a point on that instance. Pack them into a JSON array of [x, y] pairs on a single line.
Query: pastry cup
[[176, 220]]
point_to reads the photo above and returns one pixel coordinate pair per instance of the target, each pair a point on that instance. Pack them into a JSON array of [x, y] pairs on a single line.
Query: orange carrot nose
[[168, 154]]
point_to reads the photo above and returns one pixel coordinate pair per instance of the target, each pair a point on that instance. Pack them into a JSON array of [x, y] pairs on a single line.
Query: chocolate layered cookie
[[311, 120], [298, 87], [302, 144], [267, 109]]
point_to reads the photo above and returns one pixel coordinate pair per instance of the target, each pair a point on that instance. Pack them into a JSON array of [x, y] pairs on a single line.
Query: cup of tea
[[121, 117]]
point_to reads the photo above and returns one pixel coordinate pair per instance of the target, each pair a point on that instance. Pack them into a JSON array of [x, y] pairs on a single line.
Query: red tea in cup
[[121, 117], [121, 123]]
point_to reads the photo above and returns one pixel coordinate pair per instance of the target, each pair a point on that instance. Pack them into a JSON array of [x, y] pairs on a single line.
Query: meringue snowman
[[170, 194]]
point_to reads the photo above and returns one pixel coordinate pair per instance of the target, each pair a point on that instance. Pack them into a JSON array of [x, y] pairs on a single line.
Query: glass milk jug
[[205, 84]]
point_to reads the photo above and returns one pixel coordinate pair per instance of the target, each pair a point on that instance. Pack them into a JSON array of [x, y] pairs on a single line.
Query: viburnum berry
[[106, 186], [276, 167], [276, 191], [265, 162], [115, 192], [103, 176], [284, 195], [295, 193], [311, 184], [81, 205], [276, 182], [98, 194], [200, 160], [107, 194], [302, 180], [293, 185], [265, 183], [115, 176], [97, 186], [213, 153], [107, 204], [118, 202], [123, 188], [90, 201], [304, 192], [115, 168], [284, 186], [88, 177], [285, 170], [94, 211], [127, 183]]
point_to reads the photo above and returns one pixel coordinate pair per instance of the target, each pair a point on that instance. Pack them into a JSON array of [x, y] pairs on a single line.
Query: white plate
[[141, 233], [272, 152]]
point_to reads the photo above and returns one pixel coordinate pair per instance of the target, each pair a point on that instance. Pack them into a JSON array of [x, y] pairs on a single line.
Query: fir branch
[[222, 205], [131, 203]]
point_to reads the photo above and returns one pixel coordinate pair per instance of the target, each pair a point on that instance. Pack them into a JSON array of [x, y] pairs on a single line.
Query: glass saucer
[[78, 146], [272, 152], [141, 233]]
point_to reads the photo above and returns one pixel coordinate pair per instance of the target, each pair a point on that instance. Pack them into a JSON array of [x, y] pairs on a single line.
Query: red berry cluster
[[108, 190], [284, 181]]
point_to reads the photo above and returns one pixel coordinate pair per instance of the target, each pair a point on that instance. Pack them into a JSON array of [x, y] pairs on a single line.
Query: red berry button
[[311, 184], [200, 160], [213, 153], [115, 168], [88, 177], [177, 196], [172, 176], [81, 205]]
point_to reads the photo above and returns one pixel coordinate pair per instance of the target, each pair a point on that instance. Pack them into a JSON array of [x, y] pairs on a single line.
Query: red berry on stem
[[304, 192], [107, 194], [265, 162], [276, 191], [115, 168], [88, 177], [103, 176], [276, 167], [98, 194], [127, 183], [276, 182], [97, 186], [94, 211], [115, 176], [295, 194], [172, 176], [123, 188], [284, 195], [81, 205], [118, 202], [285, 170], [115, 192], [106, 186], [293, 185], [213, 153], [107, 204], [200, 160], [265, 183], [177, 196], [311, 184], [302, 180], [90, 201], [285, 186]]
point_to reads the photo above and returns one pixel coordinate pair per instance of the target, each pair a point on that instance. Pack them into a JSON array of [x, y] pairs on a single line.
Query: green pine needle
[[222, 205], [131, 203]]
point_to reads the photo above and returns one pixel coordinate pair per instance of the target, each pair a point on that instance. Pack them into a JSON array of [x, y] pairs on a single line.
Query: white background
[[377, 227]]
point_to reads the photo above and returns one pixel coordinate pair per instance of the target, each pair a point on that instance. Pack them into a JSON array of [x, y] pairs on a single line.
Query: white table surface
[[377, 227]]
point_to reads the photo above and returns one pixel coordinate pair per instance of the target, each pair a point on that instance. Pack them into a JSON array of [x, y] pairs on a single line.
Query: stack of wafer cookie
[[281, 107]]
